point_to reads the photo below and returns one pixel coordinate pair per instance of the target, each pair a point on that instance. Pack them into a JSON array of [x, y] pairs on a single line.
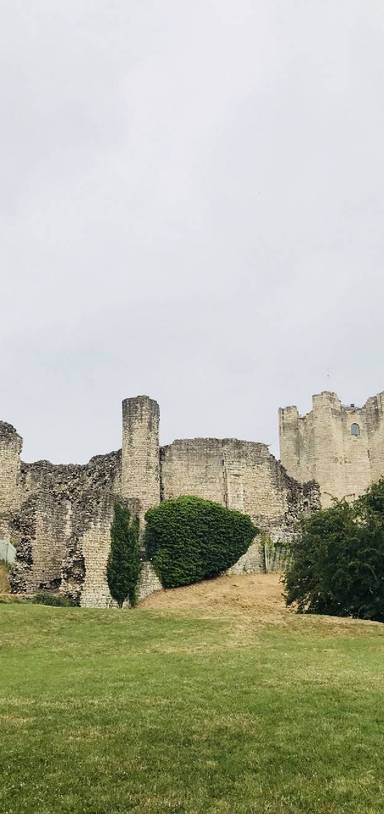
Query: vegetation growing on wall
[[337, 565], [189, 539], [123, 567]]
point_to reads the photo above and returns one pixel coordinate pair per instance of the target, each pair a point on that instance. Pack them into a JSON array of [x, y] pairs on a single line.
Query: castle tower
[[140, 475], [10, 449], [328, 456], [290, 441], [340, 447], [374, 419]]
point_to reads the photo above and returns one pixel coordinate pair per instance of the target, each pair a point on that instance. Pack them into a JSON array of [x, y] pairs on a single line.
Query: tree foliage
[[337, 564], [123, 567], [189, 539]]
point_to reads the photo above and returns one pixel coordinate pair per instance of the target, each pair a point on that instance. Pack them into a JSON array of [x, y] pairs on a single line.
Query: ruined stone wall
[[71, 480], [39, 530], [10, 449], [91, 545], [84, 574], [88, 550], [58, 503], [60, 516], [84, 569], [193, 467], [62, 530], [240, 475], [340, 447], [140, 475]]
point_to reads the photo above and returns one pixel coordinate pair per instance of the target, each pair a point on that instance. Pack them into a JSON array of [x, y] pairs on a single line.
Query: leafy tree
[[371, 503], [337, 564], [189, 539], [123, 567]]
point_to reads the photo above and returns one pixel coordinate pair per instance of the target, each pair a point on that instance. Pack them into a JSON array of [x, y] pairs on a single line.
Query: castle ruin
[[59, 516], [340, 447]]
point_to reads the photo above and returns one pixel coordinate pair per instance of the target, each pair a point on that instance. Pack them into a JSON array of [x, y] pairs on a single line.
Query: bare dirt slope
[[254, 600], [260, 594]]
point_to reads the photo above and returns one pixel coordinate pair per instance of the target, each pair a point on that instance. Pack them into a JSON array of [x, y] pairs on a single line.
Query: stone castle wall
[[340, 447], [240, 475], [59, 517], [59, 504], [39, 532], [10, 449]]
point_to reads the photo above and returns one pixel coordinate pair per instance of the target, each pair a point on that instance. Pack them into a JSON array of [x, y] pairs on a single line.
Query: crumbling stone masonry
[[340, 447], [10, 449], [140, 465], [59, 517]]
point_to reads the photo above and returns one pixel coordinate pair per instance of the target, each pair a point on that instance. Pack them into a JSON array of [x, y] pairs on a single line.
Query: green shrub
[[55, 600], [337, 564], [189, 539], [123, 567]]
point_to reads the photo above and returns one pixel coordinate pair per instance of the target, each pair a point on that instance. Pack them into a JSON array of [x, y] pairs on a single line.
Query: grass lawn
[[185, 712]]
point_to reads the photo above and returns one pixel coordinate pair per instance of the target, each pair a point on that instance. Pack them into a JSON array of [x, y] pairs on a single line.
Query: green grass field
[[108, 712]]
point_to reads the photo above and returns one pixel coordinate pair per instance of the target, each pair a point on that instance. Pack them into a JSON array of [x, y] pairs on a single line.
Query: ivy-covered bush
[[189, 539], [337, 564]]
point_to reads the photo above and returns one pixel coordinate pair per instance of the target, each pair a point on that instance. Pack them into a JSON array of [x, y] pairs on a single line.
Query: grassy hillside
[[226, 708]]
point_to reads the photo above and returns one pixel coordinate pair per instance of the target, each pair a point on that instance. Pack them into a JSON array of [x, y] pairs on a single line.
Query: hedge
[[189, 539]]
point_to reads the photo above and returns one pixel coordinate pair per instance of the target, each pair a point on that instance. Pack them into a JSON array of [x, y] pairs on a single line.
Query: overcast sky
[[192, 207]]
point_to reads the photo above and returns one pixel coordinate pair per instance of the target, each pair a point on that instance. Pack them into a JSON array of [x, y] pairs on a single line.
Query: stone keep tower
[[140, 475], [10, 449], [340, 447]]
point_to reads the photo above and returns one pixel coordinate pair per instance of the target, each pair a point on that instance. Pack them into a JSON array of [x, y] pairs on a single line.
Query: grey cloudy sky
[[191, 206]]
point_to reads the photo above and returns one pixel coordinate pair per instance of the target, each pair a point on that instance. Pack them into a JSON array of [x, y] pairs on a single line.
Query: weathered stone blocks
[[140, 467], [10, 449], [59, 517], [340, 447]]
